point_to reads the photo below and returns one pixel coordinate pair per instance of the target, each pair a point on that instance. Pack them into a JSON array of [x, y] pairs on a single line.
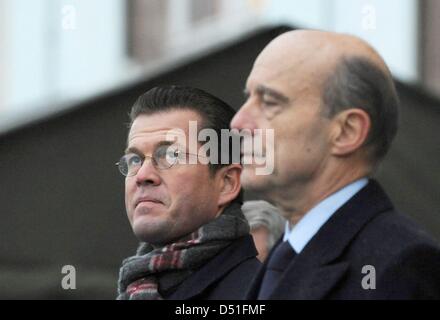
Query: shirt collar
[[313, 220]]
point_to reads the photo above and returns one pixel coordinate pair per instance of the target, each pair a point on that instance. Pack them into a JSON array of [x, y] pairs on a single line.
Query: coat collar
[[315, 270], [239, 251]]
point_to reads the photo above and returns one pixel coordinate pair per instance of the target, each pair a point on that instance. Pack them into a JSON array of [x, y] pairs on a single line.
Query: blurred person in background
[[266, 225]]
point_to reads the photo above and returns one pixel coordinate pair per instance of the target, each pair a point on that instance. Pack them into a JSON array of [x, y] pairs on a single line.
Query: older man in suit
[[332, 104]]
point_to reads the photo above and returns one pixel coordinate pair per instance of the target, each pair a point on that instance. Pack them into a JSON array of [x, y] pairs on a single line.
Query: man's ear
[[350, 131], [230, 184]]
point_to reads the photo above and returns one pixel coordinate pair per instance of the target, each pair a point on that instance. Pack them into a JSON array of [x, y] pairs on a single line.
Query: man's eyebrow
[[132, 150], [263, 90], [164, 143], [157, 145]]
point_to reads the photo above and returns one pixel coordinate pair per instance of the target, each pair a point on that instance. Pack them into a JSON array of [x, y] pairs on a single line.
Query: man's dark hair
[[359, 83], [214, 112]]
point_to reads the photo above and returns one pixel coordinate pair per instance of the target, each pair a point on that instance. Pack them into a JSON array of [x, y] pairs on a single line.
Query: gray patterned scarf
[[155, 272]]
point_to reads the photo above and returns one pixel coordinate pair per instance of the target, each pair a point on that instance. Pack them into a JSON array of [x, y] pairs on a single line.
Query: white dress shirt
[[313, 220]]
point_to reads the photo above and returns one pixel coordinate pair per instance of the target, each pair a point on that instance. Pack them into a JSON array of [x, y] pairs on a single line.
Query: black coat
[[366, 231], [226, 276]]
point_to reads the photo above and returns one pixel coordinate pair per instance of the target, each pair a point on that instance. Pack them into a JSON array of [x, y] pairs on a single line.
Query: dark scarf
[[154, 272]]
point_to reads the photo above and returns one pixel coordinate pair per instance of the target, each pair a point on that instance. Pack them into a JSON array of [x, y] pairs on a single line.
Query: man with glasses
[[195, 241]]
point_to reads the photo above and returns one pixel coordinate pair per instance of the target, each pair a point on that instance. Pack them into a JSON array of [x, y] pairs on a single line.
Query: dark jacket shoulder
[[405, 258], [225, 277], [366, 239]]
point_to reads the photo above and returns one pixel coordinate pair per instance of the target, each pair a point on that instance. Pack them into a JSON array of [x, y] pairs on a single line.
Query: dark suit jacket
[[227, 276], [366, 231]]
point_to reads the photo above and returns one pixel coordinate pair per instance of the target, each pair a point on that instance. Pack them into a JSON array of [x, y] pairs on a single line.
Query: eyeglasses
[[164, 157]]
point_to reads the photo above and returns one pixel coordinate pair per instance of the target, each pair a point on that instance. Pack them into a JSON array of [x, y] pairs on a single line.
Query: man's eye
[[168, 153], [269, 103], [172, 154], [134, 160], [163, 152]]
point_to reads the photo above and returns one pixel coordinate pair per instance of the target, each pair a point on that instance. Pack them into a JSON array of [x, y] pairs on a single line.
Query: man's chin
[[150, 229], [153, 238]]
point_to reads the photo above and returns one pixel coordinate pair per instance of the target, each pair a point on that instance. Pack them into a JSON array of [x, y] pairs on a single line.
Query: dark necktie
[[276, 265]]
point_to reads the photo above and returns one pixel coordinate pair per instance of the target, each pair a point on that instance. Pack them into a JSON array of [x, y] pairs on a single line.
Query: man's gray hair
[[262, 214], [358, 83]]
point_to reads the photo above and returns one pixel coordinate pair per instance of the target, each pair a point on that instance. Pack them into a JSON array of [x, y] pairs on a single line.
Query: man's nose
[[147, 174], [246, 117]]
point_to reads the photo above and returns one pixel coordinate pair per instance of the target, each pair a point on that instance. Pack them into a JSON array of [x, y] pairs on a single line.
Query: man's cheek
[[129, 207], [129, 192], [129, 210]]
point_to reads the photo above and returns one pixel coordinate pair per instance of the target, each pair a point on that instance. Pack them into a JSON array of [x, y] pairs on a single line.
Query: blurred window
[[55, 53]]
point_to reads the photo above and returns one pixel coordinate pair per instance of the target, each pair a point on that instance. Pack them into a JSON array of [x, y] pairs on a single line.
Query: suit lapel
[[312, 283], [252, 294], [254, 289], [316, 270]]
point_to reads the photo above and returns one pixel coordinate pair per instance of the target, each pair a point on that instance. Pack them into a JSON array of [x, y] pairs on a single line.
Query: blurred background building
[[71, 69]]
